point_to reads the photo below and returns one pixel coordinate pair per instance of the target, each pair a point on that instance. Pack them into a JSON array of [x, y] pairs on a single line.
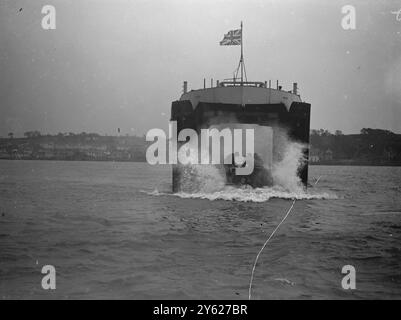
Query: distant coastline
[[372, 147], [322, 163], [71, 146]]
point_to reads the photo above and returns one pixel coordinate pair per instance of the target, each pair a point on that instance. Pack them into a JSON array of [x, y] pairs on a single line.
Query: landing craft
[[239, 103]]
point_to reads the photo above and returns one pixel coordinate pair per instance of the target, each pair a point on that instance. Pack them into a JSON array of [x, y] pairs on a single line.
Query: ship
[[239, 103]]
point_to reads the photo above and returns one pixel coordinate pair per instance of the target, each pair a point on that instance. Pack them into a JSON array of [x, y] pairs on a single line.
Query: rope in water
[[264, 245], [268, 239]]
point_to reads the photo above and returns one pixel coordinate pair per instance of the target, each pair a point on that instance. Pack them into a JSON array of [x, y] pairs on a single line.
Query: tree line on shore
[[370, 146]]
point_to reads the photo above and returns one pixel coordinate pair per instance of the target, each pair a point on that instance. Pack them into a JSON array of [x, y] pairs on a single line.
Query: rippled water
[[113, 230]]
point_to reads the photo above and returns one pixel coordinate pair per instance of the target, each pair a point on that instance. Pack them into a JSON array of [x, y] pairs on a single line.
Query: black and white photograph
[[200, 150]]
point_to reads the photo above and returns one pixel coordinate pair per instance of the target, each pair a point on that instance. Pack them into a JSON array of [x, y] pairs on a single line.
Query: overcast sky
[[120, 63]]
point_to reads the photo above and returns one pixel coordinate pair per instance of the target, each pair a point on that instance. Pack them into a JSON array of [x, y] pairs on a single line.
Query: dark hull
[[295, 121]]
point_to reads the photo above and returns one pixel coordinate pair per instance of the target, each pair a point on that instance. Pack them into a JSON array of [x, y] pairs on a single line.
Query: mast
[[242, 59], [241, 64]]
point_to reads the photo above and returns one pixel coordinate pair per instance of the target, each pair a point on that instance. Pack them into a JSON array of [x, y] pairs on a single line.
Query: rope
[[268, 239], [264, 245]]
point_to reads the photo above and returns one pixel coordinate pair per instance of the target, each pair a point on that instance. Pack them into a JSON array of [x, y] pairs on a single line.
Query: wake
[[249, 194]]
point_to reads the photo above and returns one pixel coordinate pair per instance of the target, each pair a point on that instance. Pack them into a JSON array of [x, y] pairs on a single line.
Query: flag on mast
[[232, 38]]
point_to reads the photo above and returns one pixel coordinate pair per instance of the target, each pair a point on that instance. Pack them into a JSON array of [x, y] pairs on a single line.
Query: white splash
[[201, 178], [285, 171], [248, 194], [209, 182]]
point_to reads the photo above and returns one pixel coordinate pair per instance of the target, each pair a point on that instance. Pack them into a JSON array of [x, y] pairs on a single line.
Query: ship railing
[[245, 84]]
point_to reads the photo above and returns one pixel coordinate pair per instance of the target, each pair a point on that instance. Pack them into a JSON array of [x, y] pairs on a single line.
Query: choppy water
[[113, 230]]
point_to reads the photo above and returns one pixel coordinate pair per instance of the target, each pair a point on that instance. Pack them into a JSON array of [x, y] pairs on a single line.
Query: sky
[[120, 63]]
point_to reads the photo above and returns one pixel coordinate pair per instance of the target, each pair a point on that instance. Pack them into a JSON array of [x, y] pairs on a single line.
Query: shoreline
[[322, 163]]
